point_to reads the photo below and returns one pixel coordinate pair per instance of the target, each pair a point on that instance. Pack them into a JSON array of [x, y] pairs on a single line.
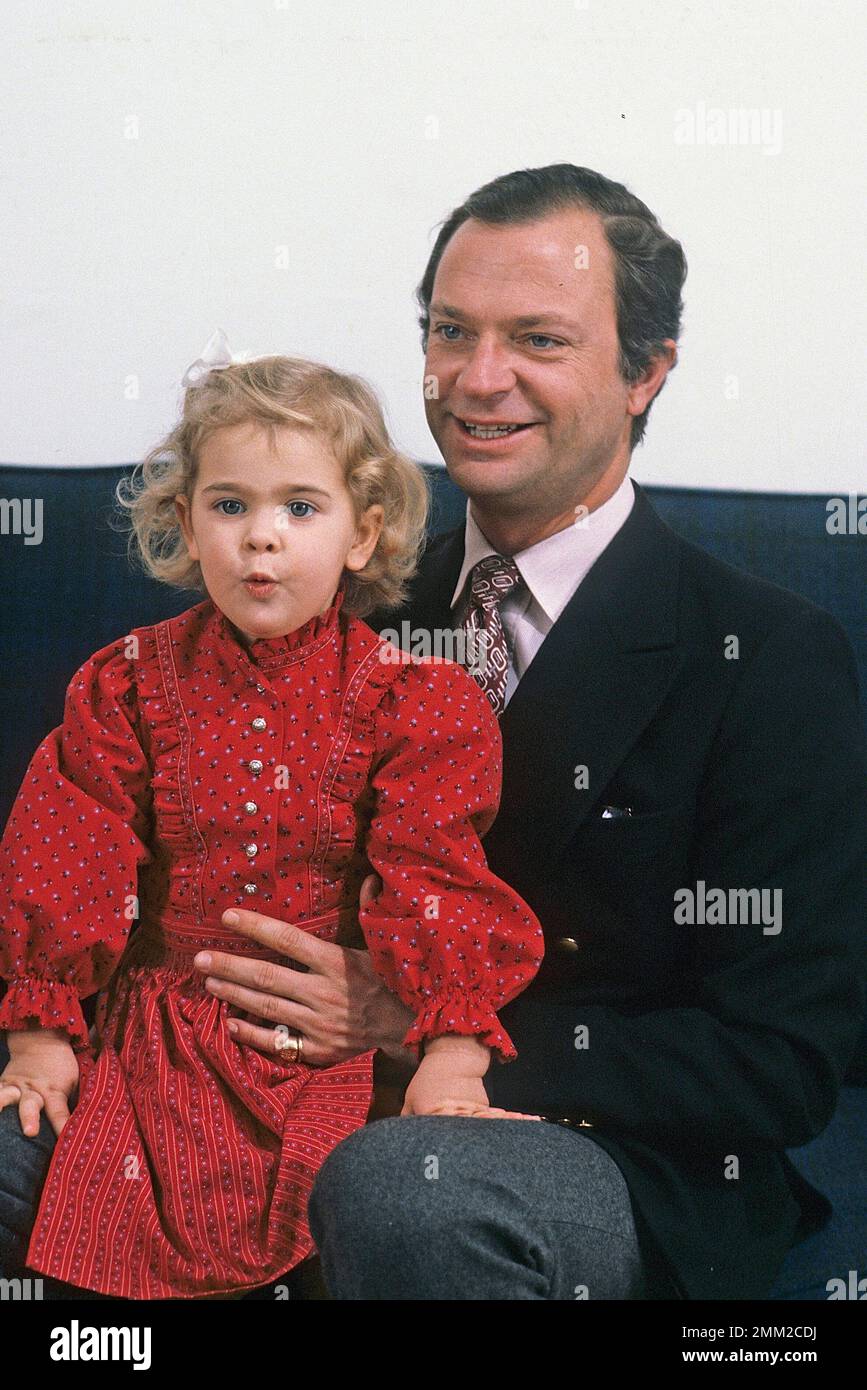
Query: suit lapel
[[429, 604], [596, 682]]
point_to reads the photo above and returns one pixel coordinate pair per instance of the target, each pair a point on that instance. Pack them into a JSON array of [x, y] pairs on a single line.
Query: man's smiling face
[[523, 332]]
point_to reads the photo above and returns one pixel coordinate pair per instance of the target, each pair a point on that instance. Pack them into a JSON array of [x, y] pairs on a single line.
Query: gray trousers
[[442, 1207]]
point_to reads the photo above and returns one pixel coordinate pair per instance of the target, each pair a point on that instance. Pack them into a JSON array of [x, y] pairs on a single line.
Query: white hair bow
[[215, 354]]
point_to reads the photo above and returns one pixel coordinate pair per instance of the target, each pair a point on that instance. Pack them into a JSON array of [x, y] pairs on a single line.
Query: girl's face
[[273, 530]]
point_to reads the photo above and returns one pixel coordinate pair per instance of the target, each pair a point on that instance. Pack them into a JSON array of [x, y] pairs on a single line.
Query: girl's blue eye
[[234, 502]]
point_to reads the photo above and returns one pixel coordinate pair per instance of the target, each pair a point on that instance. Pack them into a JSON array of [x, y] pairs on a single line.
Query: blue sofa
[[62, 599]]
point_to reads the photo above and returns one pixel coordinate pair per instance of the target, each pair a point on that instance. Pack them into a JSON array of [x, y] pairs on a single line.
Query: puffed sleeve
[[451, 939], [71, 849]]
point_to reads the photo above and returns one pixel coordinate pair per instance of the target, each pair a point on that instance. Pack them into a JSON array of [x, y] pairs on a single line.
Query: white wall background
[[156, 156]]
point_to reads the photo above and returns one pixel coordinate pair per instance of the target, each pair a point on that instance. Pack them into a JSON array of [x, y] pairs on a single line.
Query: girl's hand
[[436, 1090], [42, 1073], [441, 1086]]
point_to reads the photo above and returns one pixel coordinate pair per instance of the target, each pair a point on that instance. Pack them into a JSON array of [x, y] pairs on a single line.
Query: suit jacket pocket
[[638, 837]]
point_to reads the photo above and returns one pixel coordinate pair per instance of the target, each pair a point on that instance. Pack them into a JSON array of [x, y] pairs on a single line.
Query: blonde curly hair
[[275, 392]]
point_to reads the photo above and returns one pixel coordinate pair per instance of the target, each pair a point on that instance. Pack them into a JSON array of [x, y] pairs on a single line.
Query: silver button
[[568, 944], [255, 765], [258, 723], [250, 807], [250, 888], [251, 850]]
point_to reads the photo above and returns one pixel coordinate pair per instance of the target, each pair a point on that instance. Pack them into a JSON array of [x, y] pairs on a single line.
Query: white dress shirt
[[551, 569]]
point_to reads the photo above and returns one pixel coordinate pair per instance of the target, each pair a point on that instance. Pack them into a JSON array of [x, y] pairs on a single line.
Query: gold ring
[[284, 1043]]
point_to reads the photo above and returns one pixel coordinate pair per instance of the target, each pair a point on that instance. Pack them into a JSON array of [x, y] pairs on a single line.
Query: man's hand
[[340, 1006]]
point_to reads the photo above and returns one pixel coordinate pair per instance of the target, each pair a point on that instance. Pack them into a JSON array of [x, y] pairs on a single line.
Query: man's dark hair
[[650, 266]]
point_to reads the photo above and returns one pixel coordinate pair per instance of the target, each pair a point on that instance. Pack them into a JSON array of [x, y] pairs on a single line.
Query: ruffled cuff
[[51, 1002], [466, 1012]]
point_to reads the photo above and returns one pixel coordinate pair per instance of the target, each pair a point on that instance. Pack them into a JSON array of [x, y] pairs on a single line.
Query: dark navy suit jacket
[[710, 1049]]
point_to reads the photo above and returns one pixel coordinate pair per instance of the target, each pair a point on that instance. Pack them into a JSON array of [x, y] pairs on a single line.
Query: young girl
[[264, 749]]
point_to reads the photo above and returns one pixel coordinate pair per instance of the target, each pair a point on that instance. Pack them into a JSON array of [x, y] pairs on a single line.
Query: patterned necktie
[[487, 650]]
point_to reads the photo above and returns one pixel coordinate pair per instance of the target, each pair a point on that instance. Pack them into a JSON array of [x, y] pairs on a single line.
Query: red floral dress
[[191, 775]]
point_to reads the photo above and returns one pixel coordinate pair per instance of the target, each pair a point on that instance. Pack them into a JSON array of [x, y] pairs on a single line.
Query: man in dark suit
[[683, 808]]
